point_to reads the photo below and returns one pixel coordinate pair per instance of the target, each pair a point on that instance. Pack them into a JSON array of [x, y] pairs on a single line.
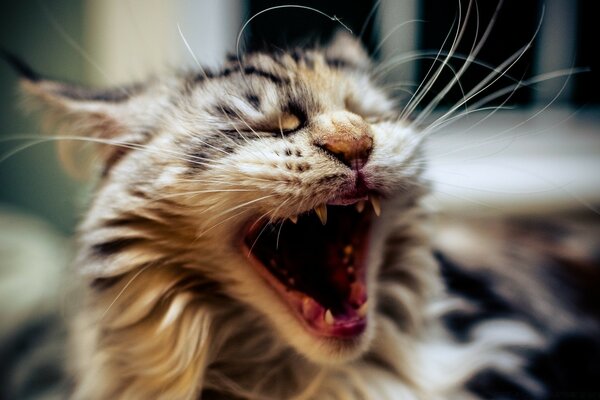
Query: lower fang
[[329, 318], [360, 206], [362, 311]]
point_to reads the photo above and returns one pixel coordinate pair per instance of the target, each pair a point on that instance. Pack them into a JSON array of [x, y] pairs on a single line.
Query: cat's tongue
[[319, 270]]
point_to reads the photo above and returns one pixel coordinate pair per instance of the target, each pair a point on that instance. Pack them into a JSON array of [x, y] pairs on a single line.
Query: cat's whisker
[[76, 46], [368, 19], [198, 192], [454, 195], [242, 205], [260, 138], [265, 215], [190, 51], [266, 10], [477, 46], [427, 84], [113, 142], [499, 136], [392, 31], [203, 71], [196, 137], [438, 124], [429, 55], [483, 85], [274, 212], [125, 287], [204, 232]]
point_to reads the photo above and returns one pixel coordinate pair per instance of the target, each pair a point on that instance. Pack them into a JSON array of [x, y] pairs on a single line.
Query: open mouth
[[316, 262]]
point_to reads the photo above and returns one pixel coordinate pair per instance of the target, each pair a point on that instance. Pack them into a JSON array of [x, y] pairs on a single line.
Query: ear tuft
[[344, 46], [114, 119], [24, 70]]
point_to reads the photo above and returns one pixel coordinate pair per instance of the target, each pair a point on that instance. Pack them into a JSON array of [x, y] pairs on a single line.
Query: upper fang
[[294, 219], [321, 211], [360, 206], [376, 204]]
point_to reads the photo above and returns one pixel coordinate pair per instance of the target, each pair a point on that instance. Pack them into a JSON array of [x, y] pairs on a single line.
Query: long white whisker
[[118, 296], [472, 55], [71, 42], [411, 106], [369, 17], [189, 48]]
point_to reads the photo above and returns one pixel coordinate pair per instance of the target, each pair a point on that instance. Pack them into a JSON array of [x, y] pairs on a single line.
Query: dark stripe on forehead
[[197, 77], [278, 80]]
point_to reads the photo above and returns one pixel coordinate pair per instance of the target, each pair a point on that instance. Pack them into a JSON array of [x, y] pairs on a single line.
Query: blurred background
[[539, 153]]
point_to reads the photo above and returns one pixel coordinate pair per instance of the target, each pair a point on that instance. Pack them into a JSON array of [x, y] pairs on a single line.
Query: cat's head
[[276, 177]]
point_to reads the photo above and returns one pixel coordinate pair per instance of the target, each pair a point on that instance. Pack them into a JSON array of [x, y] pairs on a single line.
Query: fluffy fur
[[171, 308]]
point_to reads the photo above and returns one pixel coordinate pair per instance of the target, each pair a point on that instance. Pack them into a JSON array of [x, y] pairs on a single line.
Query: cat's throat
[[318, 269]]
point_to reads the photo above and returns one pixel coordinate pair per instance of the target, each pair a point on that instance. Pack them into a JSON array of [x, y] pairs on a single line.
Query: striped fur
[[170, 308]]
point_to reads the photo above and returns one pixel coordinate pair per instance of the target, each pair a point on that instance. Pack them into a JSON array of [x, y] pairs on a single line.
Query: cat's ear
[[348, 48], [116, 119]]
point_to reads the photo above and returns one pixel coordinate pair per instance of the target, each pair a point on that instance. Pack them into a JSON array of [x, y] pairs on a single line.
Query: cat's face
[[275, 178]]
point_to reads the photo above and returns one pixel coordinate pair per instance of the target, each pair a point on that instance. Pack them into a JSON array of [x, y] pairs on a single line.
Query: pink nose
[[348, 138]]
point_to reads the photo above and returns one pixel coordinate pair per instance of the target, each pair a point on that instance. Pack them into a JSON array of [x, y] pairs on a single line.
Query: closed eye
[[281, 124]]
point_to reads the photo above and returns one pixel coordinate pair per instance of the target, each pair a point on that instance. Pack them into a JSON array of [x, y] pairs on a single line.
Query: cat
[[258, 232]]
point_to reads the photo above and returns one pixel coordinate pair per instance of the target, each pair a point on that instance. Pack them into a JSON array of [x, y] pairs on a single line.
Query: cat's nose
[[346, 136]]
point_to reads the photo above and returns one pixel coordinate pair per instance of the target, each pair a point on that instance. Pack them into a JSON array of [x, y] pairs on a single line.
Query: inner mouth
[[318, 267]]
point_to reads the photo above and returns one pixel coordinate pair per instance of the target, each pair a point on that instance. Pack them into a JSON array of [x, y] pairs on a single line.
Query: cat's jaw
[[314, 270]]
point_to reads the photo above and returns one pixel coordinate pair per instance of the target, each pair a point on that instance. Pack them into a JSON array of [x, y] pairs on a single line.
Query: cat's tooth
[[362, 310], [310, 308], [321, 211], [348, 249], [329, 317], [294, 219], [360, 206], [375, 202]]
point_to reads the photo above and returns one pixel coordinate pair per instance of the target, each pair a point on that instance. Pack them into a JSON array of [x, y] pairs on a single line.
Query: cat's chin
[[330, 350], [315, 263]]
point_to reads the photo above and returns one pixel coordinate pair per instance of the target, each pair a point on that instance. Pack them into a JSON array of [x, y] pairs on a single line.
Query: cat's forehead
[[306, 82], [296, 74]]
